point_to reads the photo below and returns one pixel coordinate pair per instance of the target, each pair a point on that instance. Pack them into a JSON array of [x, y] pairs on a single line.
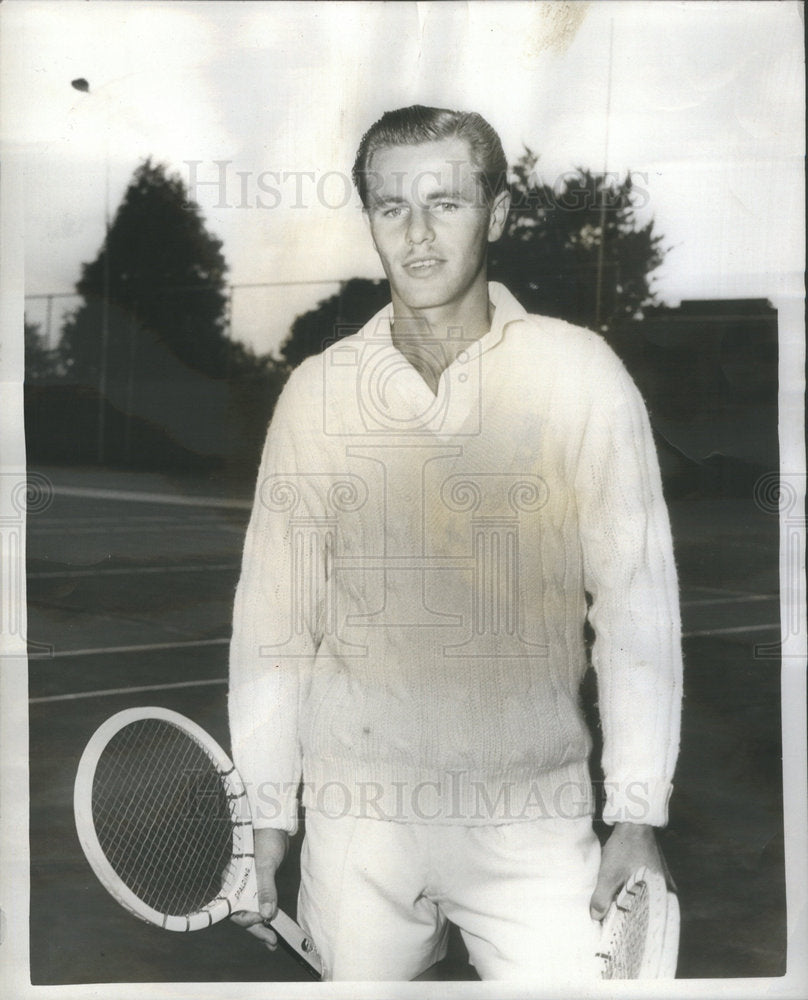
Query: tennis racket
[[163, 818], [640, 932]]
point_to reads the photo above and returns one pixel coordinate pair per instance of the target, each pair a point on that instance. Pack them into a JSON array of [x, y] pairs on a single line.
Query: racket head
[[164, 820], [640, 932]]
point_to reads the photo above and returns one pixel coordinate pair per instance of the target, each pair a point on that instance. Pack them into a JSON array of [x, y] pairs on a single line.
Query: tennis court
[[130, 583]]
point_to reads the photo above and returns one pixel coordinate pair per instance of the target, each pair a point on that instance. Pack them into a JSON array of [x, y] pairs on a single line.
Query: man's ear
[[498, 216]]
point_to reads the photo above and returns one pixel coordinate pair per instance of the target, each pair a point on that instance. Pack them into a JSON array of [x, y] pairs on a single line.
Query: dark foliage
[[176, 391], [162, 276], [575, 250], [41, 363], [334, 318]]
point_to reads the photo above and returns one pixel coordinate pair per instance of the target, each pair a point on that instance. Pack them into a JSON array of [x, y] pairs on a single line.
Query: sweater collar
[[506, 310]]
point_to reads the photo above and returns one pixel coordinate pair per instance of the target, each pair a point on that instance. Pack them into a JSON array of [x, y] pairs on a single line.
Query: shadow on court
[[133, 597]]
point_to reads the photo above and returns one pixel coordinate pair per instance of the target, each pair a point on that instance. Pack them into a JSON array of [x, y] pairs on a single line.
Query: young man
[[438, 494]]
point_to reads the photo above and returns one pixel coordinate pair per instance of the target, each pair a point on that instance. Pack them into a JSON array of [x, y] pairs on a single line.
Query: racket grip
[[290, 933]]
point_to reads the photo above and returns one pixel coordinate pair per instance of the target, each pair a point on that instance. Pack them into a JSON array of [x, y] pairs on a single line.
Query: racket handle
[[290, 934], [300, 944]]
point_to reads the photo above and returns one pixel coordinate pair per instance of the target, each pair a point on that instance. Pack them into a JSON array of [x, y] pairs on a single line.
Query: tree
[[161, 277], [576, 250], [40, 360], [334, 318]]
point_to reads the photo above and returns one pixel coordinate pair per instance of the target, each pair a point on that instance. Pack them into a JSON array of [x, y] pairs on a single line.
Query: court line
[[729, 631], [174, 517], [130, 529], [220, 567], [727, 591], [164, 498], [151, 647], [701, 603], [46, 523], [128, 690], [222, 680], [190, 643], [131, 571]]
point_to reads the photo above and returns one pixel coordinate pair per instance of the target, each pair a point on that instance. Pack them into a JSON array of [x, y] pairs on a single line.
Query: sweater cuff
[[637, 801], [274, 805]]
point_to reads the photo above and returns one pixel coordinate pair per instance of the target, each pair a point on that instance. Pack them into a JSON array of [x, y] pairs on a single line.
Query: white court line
[[190, 643], [170, 518], [220, 567], [222, 680], [130, 571], [726, 591], [730, 600], [48, 523], [131, 529], [729, 631], [151, 647], [138, 497], [129, 690]]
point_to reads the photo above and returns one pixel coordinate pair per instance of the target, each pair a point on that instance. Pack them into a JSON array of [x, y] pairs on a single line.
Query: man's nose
[[419, 229]]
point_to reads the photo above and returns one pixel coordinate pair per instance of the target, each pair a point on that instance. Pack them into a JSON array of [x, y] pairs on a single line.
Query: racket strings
[[135, 835], [171, 851], [201, 856], [625, 950], [163, 855], [162, 816], [200, 852], [130, 831], [166, 845], [150, 842], [103, 789]]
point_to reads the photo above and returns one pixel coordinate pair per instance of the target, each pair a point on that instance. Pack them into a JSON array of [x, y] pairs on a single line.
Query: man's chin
[[420, 298]]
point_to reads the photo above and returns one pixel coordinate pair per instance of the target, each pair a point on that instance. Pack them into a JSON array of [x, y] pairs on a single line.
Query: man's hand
[[270, 850], [630, 846]]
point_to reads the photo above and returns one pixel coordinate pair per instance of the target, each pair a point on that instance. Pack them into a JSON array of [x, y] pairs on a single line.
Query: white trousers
[[375, 897]]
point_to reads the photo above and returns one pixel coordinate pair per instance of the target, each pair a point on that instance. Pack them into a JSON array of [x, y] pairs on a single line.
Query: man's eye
[[447, 206], [394, 212]]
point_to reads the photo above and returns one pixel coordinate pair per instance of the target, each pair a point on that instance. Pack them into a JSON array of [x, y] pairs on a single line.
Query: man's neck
[[466, 320], [431, 339]]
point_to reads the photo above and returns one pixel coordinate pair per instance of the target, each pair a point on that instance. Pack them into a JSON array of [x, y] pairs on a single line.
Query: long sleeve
[[631, 575], [273, 643]]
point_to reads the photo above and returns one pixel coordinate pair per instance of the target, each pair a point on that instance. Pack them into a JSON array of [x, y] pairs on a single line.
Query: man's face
[[430, 222]]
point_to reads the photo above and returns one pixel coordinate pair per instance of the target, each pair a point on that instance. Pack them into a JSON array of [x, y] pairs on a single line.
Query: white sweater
[[408, 626]]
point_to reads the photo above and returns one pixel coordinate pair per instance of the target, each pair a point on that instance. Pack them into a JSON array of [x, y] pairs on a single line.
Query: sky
[[259, 108]]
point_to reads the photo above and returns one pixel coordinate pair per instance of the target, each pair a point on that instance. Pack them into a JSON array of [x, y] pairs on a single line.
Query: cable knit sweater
[[408, 627]]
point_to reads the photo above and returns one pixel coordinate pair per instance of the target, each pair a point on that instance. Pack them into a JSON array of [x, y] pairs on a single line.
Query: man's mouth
[[423, 265]]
